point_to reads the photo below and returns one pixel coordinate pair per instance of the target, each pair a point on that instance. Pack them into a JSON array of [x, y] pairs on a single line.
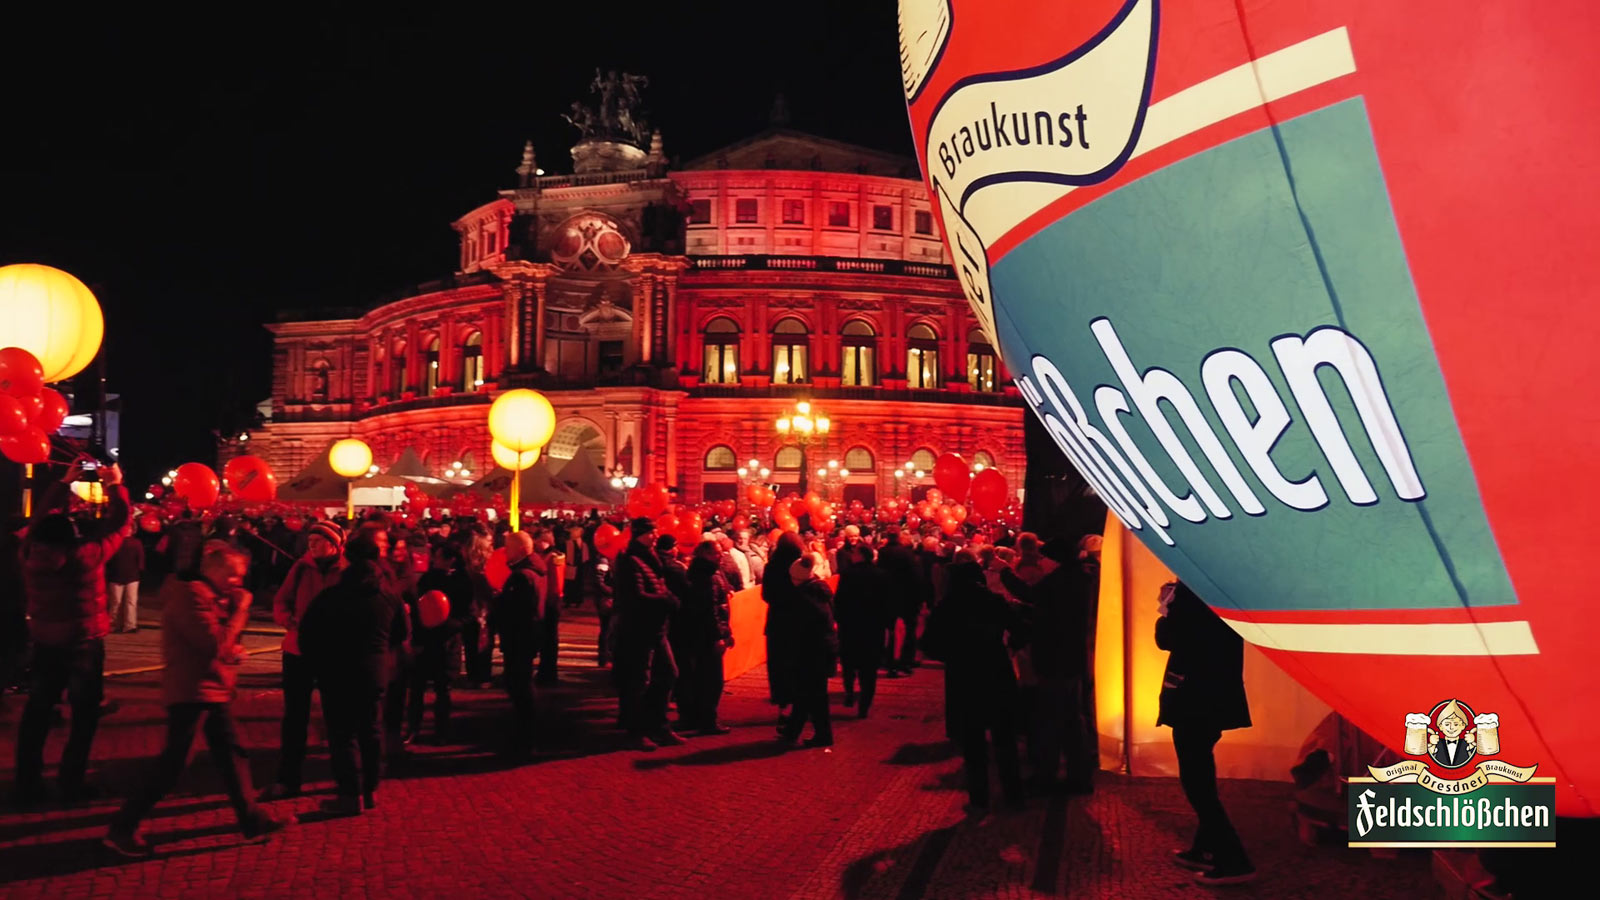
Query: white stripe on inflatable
[[1443, 639]]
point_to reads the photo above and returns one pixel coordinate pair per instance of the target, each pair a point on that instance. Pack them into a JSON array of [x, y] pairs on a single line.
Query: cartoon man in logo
[[1452, 745]]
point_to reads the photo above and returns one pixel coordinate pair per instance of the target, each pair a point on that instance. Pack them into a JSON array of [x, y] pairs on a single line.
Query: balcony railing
[[624, 176], [807, 391], [823, 264], [436, 401]]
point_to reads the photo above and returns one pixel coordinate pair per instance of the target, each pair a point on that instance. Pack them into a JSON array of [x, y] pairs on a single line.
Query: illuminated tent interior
[[1129, 667]]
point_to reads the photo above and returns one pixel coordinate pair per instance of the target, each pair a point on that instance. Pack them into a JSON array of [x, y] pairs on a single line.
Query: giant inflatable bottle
[[1308, 293]]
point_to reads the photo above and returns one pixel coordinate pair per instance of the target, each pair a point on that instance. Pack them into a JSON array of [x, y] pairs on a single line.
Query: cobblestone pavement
[[880, 815]]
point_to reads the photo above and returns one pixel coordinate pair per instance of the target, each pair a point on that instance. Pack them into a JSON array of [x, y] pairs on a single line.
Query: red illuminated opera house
[[672, 316]]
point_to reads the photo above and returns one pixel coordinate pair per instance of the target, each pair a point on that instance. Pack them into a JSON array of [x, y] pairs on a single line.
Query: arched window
[[982, 459], [922, 359], [789, 458], [430, 367], [472, 363], [859, 459], [399, 373], [860, 342], [722, 352], [790, 340], [923, 459], [720, 458], [981, 367]]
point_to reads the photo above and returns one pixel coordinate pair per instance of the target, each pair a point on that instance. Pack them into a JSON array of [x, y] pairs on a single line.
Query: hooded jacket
[[201, 666], [66, 584]]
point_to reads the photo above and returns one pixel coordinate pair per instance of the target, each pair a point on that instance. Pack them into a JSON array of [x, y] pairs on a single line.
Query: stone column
[[511, 314], [672, 447], [535, 356], [644, 324]]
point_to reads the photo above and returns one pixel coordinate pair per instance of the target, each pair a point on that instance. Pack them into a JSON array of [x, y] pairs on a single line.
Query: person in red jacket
[[64, 579], [201, 621]]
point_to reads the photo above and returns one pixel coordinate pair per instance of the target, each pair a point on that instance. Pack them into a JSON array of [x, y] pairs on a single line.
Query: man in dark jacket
[[816, 652], [644, 667], [907, 592], [64, 579], [1058, 641], [349, 634], [862, 608], [1202, 695], [201, 621], [517, 615], [550, 631], [123, 573], [700, 634], [436, 646]]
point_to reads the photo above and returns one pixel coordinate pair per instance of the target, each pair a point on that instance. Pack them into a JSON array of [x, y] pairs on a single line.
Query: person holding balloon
[[436, 631], [517, 616]]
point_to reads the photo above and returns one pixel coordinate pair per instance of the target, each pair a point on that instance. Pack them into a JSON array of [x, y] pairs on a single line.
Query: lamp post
[[833, 478], [350, 459], [906, 473], [807, 426], [622, 481], [521, 423]]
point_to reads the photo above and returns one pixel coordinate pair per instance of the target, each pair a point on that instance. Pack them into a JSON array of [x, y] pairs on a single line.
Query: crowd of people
[[1009, 616]]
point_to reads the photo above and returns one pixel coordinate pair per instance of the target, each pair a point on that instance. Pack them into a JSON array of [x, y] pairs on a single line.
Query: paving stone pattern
[[878, 816]]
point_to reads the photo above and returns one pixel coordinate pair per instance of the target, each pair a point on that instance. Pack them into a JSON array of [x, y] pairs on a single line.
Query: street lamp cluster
[[802, 424], [456, 470], [621, 480]]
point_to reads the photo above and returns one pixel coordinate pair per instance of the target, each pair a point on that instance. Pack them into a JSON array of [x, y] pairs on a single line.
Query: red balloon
[[989, 492], [20, 373], [667, 523], [496, 570], [52, 410], [958, 512], [433, 608], [934, 496], [608, 539], [740, 522], [953, 476], [690, 527], [913, 521], [656, 498], [13, 415], [27, 446], [197, 485], [251, 479], [949, 525]]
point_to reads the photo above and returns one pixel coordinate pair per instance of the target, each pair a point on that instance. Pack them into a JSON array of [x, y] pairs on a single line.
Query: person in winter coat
[[862, 607], [645, 668], [123, 573], [201, 621], [403, 574], [1058, 614], [700, 635], [777, 590], [310, 575], [436, 646], [815, 648], [549, 634], [477, 638], [969, 632], [908, 591], [349, 634], [517, 616], [1202, 695], [63, 574], [601, 586]]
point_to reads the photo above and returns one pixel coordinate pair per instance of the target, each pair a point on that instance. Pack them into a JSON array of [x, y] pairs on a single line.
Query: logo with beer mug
[[1451, 736]]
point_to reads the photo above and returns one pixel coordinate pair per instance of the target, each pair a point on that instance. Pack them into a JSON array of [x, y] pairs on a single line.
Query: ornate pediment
[[853, 303]]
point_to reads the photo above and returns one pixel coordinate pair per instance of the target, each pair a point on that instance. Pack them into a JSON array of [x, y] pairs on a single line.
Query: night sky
[[202, 173]]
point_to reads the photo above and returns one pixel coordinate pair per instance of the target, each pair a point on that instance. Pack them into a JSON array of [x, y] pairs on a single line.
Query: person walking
[[969, 632], [701, 629], [517, 616], [645, 668], [777, 591], [862, 606], [64, 579], [311, 574], [477, 639], [815, 652], [550, 631], [201, 621], [349, 634], [599, 584], [123, 574], [1202, 695]]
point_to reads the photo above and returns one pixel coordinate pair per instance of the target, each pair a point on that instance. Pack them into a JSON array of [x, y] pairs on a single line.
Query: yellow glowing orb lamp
[[52, 315], [507, 458], [520, 421], [350, 458]]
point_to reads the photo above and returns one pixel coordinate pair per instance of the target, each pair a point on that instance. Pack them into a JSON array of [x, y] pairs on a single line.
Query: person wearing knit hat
[[310, 575], [643, 526], [330, 532]]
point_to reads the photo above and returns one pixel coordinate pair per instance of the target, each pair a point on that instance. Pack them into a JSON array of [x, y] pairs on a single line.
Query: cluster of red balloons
[[988, 490], [29, 411], [648, 501], [760, 496]]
